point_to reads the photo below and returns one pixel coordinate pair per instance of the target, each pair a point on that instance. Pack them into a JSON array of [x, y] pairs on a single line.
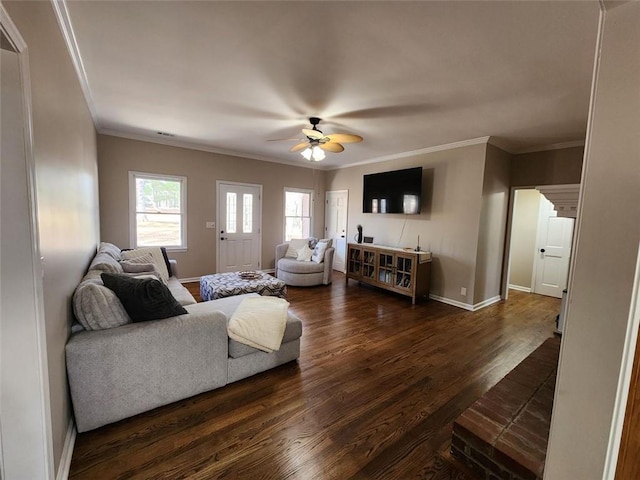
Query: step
[[504, 434]]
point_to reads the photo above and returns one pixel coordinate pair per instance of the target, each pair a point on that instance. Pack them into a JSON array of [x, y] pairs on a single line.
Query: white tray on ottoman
[[221, 285]]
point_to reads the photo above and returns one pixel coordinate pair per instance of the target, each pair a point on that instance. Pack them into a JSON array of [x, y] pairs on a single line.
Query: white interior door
[[239, 227], [335, 225], [551, 264]]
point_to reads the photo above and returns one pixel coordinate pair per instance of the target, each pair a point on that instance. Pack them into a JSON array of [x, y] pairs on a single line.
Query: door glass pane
[[247, 213], [231, 212]]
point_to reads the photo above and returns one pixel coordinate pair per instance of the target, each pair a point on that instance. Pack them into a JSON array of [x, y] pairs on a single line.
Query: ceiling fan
[[317, 143]]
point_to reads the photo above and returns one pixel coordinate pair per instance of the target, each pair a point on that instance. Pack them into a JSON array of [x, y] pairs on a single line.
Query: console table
[[403, 271]]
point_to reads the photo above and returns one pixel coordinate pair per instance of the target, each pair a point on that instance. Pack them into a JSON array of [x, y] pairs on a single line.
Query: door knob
[[542, 250]]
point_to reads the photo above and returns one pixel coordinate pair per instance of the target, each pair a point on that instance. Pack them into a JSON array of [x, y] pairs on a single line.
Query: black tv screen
[[399, 191]]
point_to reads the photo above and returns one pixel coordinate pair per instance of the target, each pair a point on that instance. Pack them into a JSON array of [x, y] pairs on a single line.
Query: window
[[157, 210], [297, 213]]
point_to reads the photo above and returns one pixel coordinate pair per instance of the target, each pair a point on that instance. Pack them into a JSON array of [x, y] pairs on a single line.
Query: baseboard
[[67, 452], [449, 301], [466, 306], [519, 288], [189, 279], [487, 302]]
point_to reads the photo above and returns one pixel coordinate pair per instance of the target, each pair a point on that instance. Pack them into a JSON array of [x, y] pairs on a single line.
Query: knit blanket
[[259, 322]]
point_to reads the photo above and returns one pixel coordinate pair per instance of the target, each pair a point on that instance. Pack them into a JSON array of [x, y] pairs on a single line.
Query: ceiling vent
[[165, 134]]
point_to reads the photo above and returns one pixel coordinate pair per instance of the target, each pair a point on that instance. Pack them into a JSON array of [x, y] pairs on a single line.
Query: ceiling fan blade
[[331, 147], [299, 146], [315, 134], [344, 137]]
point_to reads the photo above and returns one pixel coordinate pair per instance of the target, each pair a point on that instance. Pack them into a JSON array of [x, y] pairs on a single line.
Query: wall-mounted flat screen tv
[[399, 191]]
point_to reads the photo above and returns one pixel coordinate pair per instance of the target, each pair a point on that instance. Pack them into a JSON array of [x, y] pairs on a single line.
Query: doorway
[[553, 251], [239, 227], [26, 439], [335, 225], [539, 246]]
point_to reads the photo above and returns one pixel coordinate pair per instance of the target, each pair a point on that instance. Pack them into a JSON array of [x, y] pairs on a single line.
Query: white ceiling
[[229, 76]]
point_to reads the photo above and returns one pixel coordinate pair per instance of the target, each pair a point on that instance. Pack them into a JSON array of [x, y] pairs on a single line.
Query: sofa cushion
[[110, 249], [104, 262], [96, 307], [143, 299], [294, 266], [156, 254], [180, 292], [296, 244], [292, 331]]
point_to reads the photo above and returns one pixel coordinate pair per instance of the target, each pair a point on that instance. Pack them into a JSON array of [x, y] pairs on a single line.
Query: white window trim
[[311, 192], [133, 237]]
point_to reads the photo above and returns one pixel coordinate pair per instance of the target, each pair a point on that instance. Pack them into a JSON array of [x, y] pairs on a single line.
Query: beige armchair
[[300, 273]]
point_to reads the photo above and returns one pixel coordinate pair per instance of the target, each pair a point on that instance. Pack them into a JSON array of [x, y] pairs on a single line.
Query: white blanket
[[259, 322]]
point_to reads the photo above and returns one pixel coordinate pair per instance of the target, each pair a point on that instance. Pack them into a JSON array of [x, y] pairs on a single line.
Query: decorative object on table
[[250, 275]]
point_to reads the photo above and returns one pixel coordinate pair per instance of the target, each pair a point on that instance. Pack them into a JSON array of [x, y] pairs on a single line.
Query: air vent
[[165, 134]]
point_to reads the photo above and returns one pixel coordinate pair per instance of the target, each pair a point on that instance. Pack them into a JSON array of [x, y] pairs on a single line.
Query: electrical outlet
[[463, 291], [210, 225]]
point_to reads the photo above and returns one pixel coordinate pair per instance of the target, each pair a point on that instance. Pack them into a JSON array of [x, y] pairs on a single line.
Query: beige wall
[[602, 280], [523, 237], [118, 156], [551, 167], [67, 188], [448, 224], [492, 226]]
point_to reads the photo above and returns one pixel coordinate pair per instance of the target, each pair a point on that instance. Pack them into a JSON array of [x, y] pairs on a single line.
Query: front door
[[239, 227], [551, 262], [335, 225]]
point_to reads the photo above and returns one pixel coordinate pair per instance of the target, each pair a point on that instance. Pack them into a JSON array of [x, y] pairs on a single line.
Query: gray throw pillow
[[143, 298]]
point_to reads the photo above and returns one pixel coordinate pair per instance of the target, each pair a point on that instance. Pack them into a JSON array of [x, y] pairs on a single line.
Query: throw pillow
[[137, 267], [141, 264], [318, 252], [156, 254], [328, 241], [304, 254], [143, 299], [96, 307], [295, 244], [110, 249]]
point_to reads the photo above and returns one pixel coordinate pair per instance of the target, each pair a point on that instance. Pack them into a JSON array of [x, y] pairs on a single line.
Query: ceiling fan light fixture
[[313, 154]]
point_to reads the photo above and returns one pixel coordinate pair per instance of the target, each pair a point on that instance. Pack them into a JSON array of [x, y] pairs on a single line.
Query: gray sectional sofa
[[118, 372]]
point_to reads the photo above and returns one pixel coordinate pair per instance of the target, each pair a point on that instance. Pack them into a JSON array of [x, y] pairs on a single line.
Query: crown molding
[[552, 146], [422, 151], [205, 148], [64, 22]]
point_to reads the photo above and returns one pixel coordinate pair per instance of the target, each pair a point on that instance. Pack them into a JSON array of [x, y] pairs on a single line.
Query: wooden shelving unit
[[399, 270]]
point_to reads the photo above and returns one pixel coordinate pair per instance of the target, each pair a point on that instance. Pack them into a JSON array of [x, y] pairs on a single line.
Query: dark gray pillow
[[143, 298]]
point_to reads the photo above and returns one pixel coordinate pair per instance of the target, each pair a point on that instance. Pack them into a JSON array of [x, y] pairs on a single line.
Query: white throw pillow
[[296, 244], [156, 255], [318, 252], [304, 254]]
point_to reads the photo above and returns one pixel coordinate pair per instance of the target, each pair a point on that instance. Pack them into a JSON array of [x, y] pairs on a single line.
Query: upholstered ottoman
[[221, 285]]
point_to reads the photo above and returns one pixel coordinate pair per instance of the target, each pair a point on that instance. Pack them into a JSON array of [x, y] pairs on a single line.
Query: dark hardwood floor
[[373, 395]]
